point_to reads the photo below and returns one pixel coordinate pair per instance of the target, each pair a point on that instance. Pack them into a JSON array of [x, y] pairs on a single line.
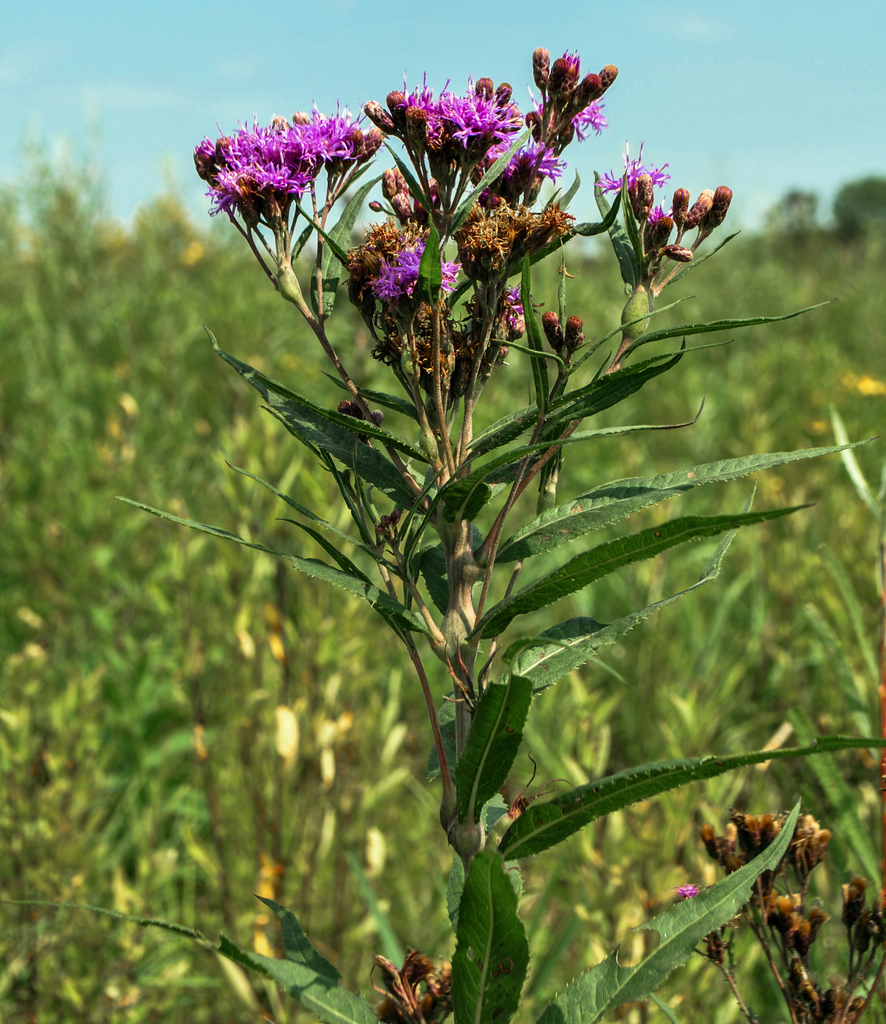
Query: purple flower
[[634, 168], [397, 275], [686, 892], [514, 314], [481, 115], [590, 119], [278, 161]]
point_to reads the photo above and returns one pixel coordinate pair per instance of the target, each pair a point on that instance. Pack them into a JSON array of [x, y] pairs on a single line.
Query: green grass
[[142, 664]]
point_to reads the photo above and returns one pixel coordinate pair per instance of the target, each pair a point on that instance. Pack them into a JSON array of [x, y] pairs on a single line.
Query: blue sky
[[764, 97]]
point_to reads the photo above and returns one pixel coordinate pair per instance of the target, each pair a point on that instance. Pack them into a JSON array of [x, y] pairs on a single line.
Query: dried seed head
[[853, 900]]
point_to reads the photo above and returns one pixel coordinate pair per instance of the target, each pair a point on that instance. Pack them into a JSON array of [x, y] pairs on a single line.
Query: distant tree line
[[859, 209]]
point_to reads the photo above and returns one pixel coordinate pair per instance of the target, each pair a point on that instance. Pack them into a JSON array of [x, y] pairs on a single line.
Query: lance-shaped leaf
[[574, 642], [430, 269], [493, 174], [309, 977], [609, 390], [606, 558], [307, 513], [466, 495], [492, 744], [533, 336], [543, 825], [504, 431], [338, 239], [390, 609], [491, 956], [681, 330], [608, 985], [305, 974], [401, 405], [617, 499], [273, 391], [621, 244]]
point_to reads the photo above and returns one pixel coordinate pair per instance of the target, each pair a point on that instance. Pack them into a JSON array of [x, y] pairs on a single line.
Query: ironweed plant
[[447, 509]]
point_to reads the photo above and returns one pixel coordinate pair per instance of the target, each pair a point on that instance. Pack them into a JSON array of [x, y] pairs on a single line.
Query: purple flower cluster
[[397, 275], [279, 160], [483, 115], [634, 168]]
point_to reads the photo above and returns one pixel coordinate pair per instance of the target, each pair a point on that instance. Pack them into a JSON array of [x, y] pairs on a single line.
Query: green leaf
[[305, 974], [492, 744], [606, 558], [567, 197], [609, 390], [432, 564], [337, 250], [297, 946], [574, 642], [504, 431], [613, 501], [454, 889], [717, 325], [494, 172], [305, 512], [587, 230], [533, 336], [400, 405], [390, 609], [430, 268], [282, 399], [339, 239], [491, 956], [543, 825], [849, 828], [608, 985], [624, 251]]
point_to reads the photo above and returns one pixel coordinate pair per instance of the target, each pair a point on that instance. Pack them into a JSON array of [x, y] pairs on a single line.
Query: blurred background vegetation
[[184, 723]]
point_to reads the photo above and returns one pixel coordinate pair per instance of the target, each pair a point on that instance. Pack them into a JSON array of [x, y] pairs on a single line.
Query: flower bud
[[553, 331], [679, 206], [641, 196], [590, 89], [700, 208], [533, 123], [541, 67], [484, 87], [719, 207], [377, 115], [376, 206], [660, 231], [503, 94], [564, 75], [608, 75], [392, 182], [301, 117], [678, 253], [416, 128], [279, 123], [574, 335]]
